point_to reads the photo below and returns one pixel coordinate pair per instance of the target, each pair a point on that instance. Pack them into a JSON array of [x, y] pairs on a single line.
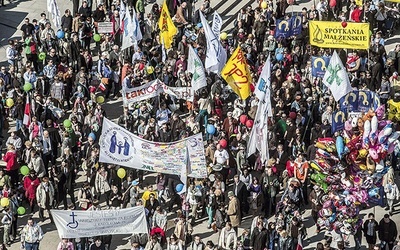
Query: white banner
[[79, 224], [153, 89], [121, 147]]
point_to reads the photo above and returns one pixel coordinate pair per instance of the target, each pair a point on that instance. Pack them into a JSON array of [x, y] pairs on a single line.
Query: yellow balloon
[[150, 70], [4, 202], [100, 99], [10, 102], [121, 173], [264, 5], [223, 36], [146, 195]]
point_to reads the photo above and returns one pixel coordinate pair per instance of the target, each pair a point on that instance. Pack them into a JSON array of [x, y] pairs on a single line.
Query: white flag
[[163, 52], [263, 89], [52, 8], [195, 66], [128, 39], [122, 12], [336, 78], [216, 54], [259, 133], [137, 33], [217, 24]]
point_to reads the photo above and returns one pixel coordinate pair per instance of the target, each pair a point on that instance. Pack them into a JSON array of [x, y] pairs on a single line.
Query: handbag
[[104, 80]]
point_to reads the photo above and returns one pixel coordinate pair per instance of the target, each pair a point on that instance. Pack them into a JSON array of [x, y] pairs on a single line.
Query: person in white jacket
[[392, 193], [227, 238]]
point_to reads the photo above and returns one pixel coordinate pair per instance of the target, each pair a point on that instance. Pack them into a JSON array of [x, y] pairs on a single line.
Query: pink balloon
[[373, 153]]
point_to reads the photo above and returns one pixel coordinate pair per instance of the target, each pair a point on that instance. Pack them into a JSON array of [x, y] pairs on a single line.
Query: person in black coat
[[240, 191], [85, 11], [66, 21], [387, 231], [259, 238], [370, 228]]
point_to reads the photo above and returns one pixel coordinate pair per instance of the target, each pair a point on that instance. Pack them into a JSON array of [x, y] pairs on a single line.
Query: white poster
[[78, 224], [121, 147]]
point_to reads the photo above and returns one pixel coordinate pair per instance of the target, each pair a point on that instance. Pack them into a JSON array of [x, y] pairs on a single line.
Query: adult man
[[31, 235], [11, 54], [227, 238], [240, 191], [221, 158], [234, 211], [259, 237], [27, 28], [270, 189], [45, 197], [387, 231]]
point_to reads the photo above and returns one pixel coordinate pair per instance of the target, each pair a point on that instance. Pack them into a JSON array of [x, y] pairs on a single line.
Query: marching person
[[45, 197], [31, 235]]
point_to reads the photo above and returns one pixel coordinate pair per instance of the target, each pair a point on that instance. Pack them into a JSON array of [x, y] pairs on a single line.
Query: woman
[[285, 242], [65, 244], [211, 206], [102, 187], [12, 164], [115, 198], [255, 195], [173, 243], [160, 219], [31, 182], [160, 182], [392, 193], [370, 228], [85, 196]]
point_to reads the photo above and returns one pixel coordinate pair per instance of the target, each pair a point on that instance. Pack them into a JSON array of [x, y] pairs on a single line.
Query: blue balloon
[[279, 57], [93, 136], [60, 34], [210, 129], [340, 146], [179, 187]]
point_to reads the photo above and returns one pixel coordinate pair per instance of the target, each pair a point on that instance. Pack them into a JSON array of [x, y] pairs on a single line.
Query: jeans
[[31, 246], [18, 124], [210, 214], [203, 115]]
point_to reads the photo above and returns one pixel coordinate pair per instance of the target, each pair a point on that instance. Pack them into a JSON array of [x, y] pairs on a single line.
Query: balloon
[[121, 173], [292, 115], [21, 211], [279, 57], [92, 135], [264, 5], [362, 153], [4, 202], [27, 86], [42, 56], [179, 187], [344, 24], [24, 170], [249, 123], [243, 119], [223, 143], [67, 123], [223, 36], [210, 129], [374, 124], [10, 102], [60, 34], [96, 37], [385, 133], [394, 137], [100, 99], [347, 125], [340, 146], [150, 70], [252, 88]]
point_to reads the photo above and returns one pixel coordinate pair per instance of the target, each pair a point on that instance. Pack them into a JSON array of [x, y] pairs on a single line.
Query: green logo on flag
[[334, 77]]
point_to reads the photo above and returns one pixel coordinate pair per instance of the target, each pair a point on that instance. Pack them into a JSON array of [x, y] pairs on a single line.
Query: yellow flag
[[167, 26], [237, 74]]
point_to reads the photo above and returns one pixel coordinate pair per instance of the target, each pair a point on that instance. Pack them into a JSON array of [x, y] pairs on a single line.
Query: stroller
[[392, 21]]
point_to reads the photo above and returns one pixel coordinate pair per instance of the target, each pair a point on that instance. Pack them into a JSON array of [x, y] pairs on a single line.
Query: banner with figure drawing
[[289, 27], [319, 64], [79, 224], [339, 35], [121, 147]]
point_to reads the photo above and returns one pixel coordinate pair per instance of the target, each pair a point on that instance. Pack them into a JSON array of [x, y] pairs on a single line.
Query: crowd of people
[[60, 79]]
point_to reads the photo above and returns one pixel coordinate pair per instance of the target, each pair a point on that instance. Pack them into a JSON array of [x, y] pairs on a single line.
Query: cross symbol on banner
[[334, 77]]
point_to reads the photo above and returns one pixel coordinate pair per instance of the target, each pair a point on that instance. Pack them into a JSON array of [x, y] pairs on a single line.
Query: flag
[[237, 74], [167, 26], [195, 66], [217, 24], [122, 12], [137, 32], [128, 38], [52, 8], [259, 133], [263, 88], [216, 54], [164, 54], [336, 78], [27, 112]]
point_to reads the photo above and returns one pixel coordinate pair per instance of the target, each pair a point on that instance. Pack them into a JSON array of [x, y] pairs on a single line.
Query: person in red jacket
[[31, 182], [12, 164], [356, 14]]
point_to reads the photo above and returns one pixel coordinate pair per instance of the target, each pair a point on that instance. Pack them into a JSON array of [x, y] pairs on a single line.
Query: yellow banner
[[394, 1], [167, 26], [337, 35], [237, 74]]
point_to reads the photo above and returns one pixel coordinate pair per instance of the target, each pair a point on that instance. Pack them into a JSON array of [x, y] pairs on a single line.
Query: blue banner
[[349, 102], [296, 22], [283, 28], [338, 120], [319, 64], [365, 101]]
